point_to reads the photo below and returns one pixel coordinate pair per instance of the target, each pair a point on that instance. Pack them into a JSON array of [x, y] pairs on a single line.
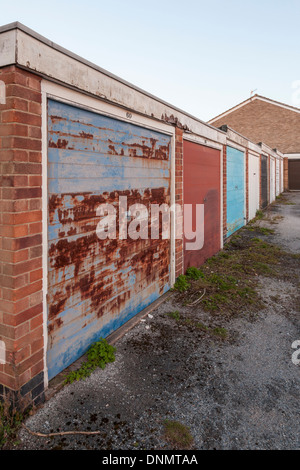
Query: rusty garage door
[[201, 173], [235, 190], [95, 286], [294, 174]]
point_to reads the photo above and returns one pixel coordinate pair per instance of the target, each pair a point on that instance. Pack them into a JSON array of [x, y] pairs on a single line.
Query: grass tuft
[[178, 435]]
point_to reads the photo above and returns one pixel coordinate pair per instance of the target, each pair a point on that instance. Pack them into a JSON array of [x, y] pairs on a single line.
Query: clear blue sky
[[201, 56]]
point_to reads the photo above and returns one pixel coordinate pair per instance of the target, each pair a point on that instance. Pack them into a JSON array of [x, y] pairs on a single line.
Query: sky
[[201, 56]]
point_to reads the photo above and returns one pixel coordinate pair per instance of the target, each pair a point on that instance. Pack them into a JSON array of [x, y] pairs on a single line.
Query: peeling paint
[[94, 285]]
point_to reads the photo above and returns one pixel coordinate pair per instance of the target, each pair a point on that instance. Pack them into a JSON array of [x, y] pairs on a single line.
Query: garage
[[294, 174], [264, 181], [277, 177], [254, 184], [272, 179], [201, 180], [95, 285], [235, 190]]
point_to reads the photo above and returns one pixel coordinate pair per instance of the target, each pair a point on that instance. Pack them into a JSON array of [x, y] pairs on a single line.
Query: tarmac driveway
[[241, 391]]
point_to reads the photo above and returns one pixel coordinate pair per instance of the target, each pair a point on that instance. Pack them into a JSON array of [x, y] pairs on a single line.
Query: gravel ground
[[239, 393]]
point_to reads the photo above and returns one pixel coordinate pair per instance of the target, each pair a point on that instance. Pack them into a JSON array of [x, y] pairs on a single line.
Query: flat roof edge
[[21, 27]]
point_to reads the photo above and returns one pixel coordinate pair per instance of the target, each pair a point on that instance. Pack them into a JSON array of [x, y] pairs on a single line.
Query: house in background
[[276, 124]]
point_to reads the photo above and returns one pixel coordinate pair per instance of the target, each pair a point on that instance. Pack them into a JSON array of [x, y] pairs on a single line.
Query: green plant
[[223, 282], [262, 268], [181, 283], [259, 215], [266, 231], [256, 240], [222, 332], [194, 273], [175, 315], [100, 354], [10, 421], [201, 326], [178, 435]]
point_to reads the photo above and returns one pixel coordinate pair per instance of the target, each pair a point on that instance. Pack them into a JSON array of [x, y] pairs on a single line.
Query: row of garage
[[95, 286], [102, 140]]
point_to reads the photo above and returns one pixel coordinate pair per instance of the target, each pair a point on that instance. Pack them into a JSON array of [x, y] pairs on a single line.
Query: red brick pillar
[[179, 266], [21, 297], [224, 192]]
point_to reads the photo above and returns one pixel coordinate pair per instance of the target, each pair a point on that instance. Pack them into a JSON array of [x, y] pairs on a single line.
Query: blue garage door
[[235, 190], [95, 286]]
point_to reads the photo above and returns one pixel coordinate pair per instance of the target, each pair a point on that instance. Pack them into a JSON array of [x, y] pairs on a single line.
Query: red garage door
[[201, 173]]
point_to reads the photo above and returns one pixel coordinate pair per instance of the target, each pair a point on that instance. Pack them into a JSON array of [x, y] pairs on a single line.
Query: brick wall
[[285, 174], [21, 317], [260, 121], [179, 197]]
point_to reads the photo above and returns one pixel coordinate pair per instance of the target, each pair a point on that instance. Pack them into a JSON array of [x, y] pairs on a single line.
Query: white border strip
[[45, 227]]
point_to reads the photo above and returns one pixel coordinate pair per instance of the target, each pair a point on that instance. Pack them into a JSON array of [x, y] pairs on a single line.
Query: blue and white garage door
[[95, 286], [235, 190]]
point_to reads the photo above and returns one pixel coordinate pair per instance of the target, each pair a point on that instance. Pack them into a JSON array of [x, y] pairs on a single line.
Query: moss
[[178, 435]]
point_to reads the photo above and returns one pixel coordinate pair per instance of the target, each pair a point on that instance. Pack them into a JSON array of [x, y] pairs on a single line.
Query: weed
[[282, 200], [275, 220], [194, 273], [175, 315], [262, 230], [259, 215], [201, 326], [223, 282], [262, 268], [222, 332], [181, 283], [178, 435], [266, 231], [10, 421], [210, 304], [223, 255], [246, 292], [230, 278], [100, 354]]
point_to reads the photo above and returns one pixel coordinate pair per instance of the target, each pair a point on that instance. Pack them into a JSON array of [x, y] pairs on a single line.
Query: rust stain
[[107, 274], [85, 135], [60, 144], [174, 121]]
